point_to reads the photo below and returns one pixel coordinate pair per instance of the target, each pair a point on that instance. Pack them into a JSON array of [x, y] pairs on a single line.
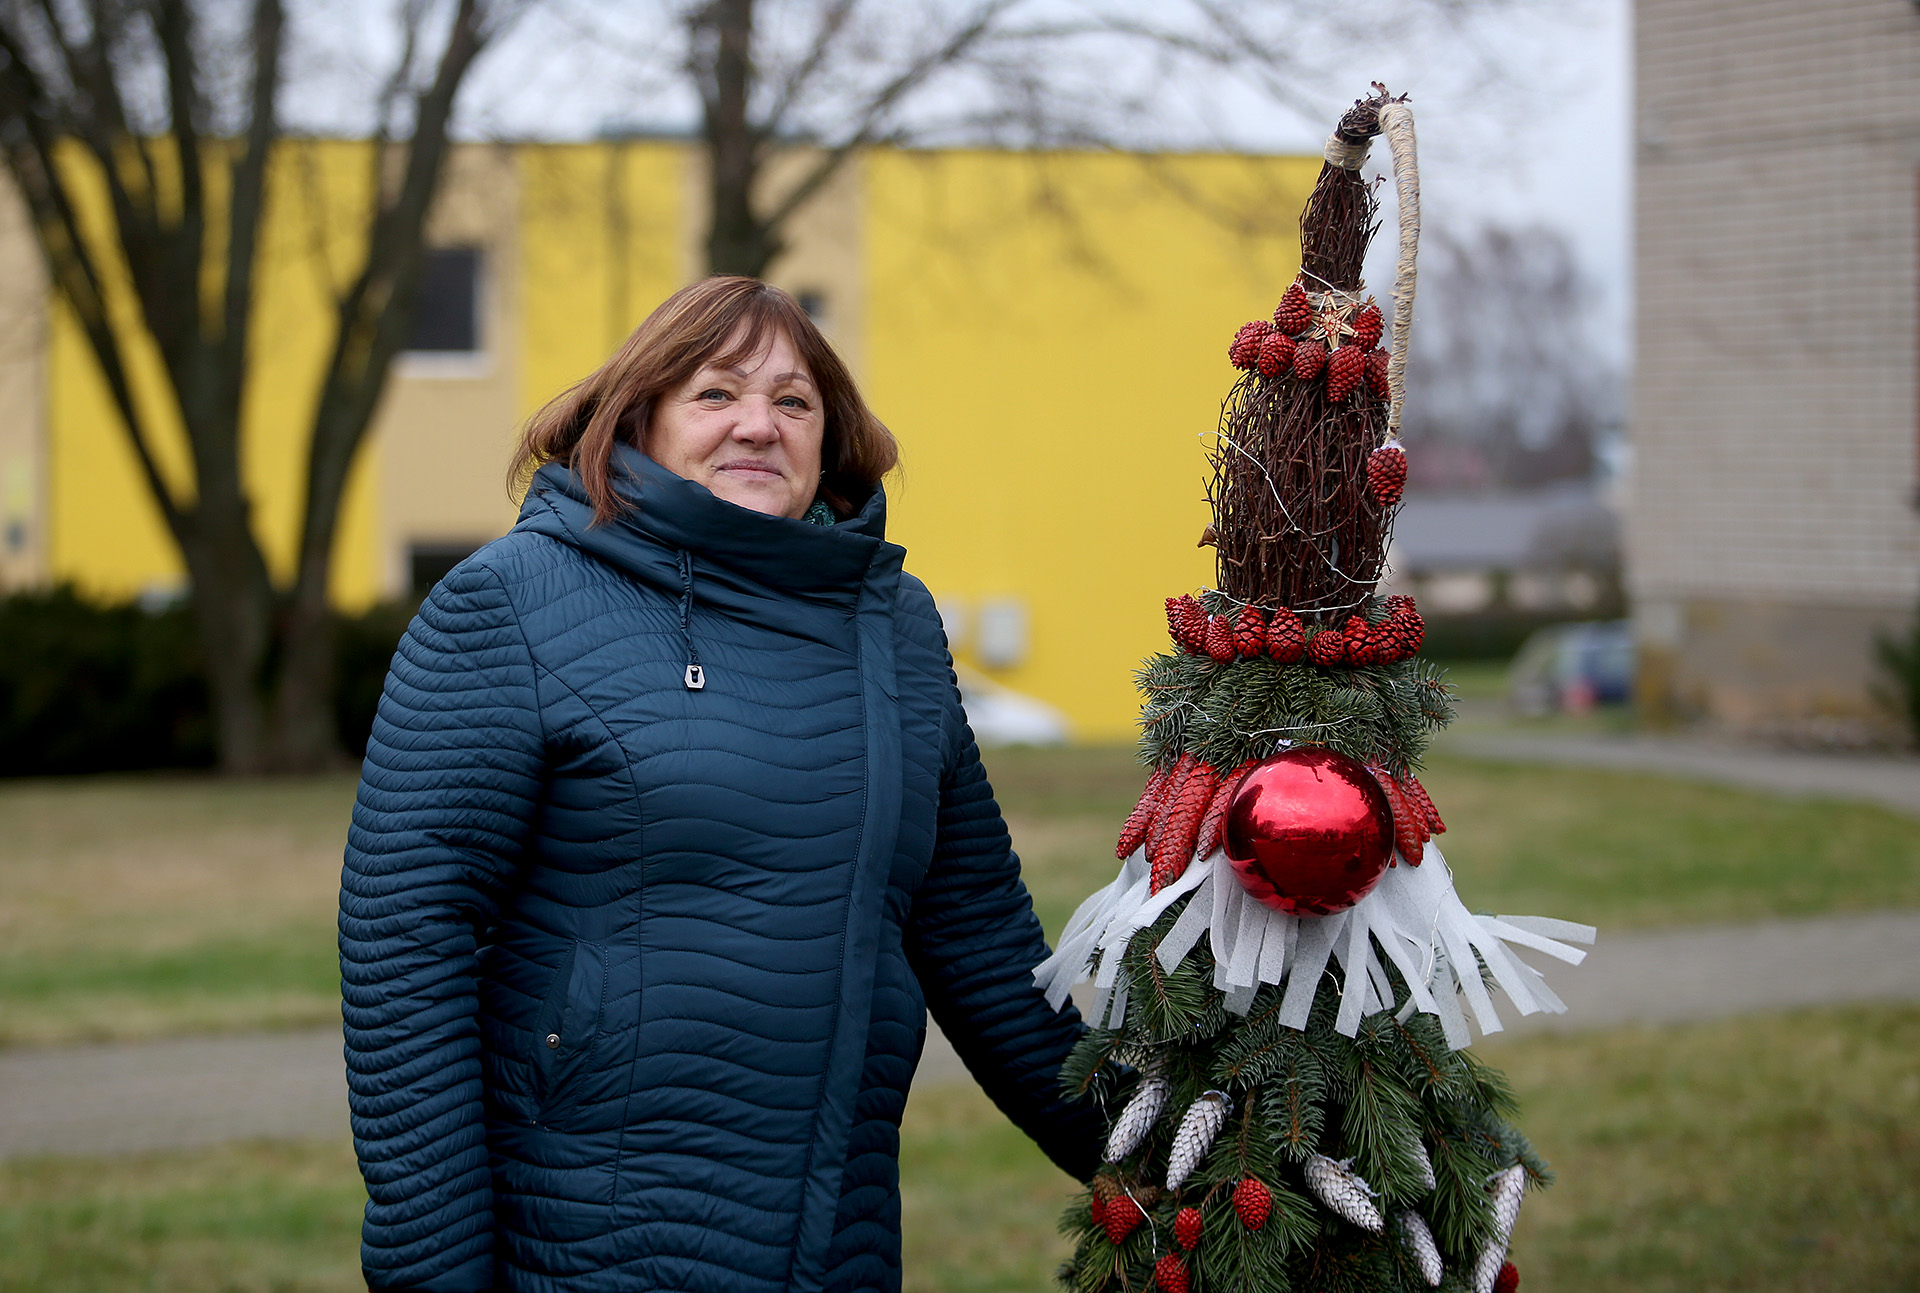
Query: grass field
[[1767, 1155], [146, 906]]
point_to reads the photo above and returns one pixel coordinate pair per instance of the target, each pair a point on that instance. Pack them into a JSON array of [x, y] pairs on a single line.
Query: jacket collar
[[743, 550]]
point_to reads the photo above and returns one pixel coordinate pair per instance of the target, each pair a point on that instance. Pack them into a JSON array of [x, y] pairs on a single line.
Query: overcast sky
[[1523, 110]]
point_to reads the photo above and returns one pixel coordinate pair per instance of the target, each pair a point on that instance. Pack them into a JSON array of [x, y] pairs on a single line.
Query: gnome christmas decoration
[[1282, 973]]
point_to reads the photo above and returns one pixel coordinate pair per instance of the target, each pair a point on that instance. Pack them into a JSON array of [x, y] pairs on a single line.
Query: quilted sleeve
[[452, 776], [974, 941]]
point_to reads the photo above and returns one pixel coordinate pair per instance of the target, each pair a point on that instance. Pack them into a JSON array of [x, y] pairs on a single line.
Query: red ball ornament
[[1309, 832]]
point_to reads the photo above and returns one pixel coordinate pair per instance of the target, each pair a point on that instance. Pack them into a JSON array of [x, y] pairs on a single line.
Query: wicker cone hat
[[1307, 467]]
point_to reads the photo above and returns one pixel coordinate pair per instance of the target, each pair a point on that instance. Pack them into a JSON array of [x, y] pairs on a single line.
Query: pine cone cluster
[[1279, 348], [1245, 349], [1387, 473], [1415, 821]]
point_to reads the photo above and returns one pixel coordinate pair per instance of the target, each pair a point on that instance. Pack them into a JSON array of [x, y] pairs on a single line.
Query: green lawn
[[144, 906], [1764, 1155]]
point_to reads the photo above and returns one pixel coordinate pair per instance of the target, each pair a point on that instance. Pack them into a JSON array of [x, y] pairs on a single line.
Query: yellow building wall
[[104, 532], [1047, 337]]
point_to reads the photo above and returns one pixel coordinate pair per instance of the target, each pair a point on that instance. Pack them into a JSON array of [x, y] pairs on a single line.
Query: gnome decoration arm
[[1283, 951]]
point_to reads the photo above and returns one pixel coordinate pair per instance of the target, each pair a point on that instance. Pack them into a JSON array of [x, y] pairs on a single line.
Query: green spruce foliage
[[1370, 1099], [1226, 713]]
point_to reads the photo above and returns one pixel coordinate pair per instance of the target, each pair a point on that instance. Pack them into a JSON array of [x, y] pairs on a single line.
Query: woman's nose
[[755, 423]]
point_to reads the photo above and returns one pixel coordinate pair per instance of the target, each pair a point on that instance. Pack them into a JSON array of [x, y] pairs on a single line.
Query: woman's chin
[[773, 497]]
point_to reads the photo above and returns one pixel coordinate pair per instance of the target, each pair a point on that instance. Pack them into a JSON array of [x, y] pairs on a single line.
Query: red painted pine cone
[[1170, 1273], [1191, 631], [1309, 357], [1359, 636], [1187, 1224], [1220, 638], [1327, 648], [1508, 1280], [1249, 631], [1387, 474], [1246, 343], [1409, 628], [1122, 1217], [1253, 1202], [1175, 621], [1424, 802], [1170, 848], [1294, 312], [1344, 372], [1286, 636], [1276, 354], [1407, 836], [1216, 814], [1140, 820], [1367, 326], [1377, 384]]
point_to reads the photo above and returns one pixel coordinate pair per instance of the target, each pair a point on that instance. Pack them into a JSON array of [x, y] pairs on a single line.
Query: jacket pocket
[[568, 1027]]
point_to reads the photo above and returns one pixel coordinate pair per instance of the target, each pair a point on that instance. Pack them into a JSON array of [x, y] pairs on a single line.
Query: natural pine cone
[[1220, 638], [1387, 473], [1187, 1224], [1249, 631], [1286, 636], [1140, 820], [1327, 648], [1276, 354], [1246, 343], [1309, 357], [1344, 372], [1377, 384], [1170, 1273], [1253, 1202], [1367, 326], [1294, 312]]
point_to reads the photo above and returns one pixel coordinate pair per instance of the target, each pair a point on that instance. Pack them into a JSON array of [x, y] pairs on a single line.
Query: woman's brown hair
[[690, 329]]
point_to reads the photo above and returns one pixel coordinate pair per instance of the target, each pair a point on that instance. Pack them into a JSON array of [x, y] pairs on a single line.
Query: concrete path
[[113, 1099], [1890, 781]]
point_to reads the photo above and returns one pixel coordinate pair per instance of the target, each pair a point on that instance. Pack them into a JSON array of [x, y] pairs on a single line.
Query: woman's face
[[749, 433]]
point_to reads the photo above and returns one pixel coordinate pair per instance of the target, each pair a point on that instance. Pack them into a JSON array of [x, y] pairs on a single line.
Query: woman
[[670, 830]]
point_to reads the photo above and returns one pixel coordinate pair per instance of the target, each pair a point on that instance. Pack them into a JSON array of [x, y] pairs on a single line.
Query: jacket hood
[[740, 556]]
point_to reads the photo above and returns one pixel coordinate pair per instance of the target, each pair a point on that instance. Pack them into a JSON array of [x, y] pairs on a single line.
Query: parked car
[[1570, 668]]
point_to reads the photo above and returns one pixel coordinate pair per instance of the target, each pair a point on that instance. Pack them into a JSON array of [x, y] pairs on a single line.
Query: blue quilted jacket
[[636, 974]]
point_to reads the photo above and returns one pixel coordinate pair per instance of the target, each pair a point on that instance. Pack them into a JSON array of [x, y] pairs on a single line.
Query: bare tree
[[175, 106], [1507, 385], [823, 80]]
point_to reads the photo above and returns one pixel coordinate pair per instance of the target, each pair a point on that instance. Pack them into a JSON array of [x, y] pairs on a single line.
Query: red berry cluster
[[1284, 637], [1277, 348], [1415, 819]]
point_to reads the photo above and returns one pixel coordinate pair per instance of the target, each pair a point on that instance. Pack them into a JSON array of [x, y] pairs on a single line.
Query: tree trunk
[[738, 240]]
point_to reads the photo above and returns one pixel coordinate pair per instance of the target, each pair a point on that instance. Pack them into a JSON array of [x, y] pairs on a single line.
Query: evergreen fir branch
[[1379, 1125]]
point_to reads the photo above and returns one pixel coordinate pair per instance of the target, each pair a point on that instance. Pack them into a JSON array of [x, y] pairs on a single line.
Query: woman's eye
[[793, 402], [715, 394]]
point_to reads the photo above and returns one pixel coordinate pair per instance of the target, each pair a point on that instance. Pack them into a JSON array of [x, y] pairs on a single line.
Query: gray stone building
[[1774, 522]]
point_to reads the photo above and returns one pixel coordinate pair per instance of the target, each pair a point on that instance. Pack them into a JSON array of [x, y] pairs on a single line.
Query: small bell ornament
[[1203, 1122], [1419, 1242], [1137, 1119], [1344, 1192]]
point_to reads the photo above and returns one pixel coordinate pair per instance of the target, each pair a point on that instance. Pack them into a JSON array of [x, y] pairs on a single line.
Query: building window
[[428, 563], [447, 319]]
